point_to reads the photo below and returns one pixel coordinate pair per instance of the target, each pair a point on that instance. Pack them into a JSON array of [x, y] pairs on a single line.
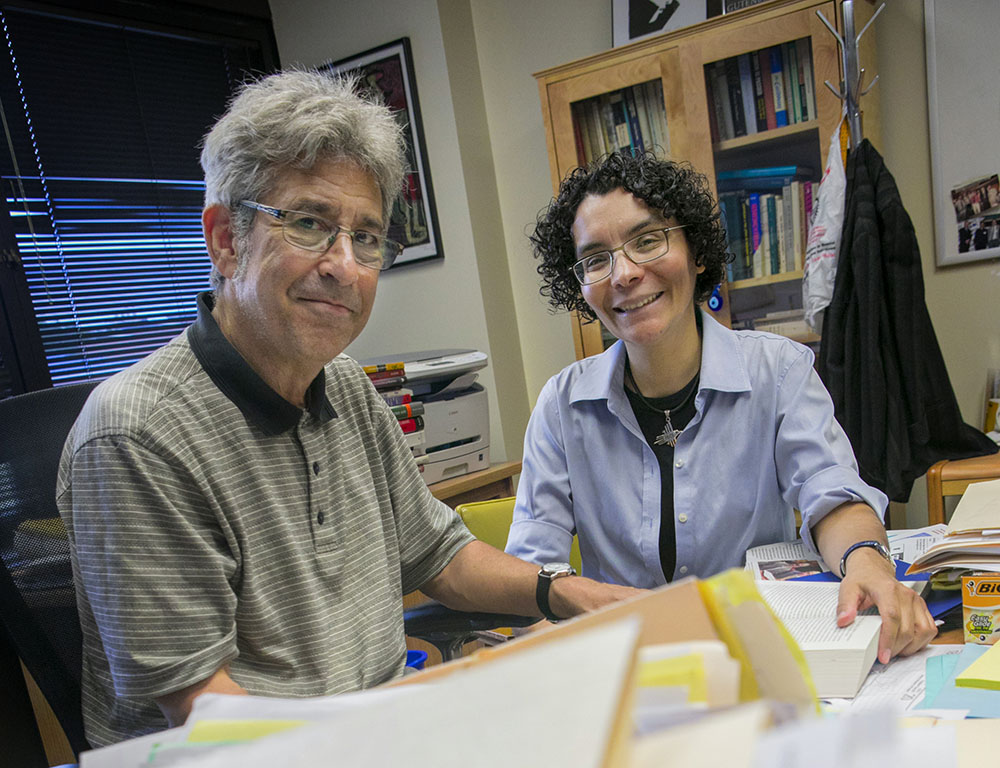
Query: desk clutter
[[694, 673]]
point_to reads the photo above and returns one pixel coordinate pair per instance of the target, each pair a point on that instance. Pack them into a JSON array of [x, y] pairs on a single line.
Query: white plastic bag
[[823, 243]]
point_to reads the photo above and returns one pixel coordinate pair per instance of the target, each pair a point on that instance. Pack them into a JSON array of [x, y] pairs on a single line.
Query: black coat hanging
[[879, 357]]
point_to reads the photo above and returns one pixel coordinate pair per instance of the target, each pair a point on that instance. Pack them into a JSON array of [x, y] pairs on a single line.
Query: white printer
[[455, 439]]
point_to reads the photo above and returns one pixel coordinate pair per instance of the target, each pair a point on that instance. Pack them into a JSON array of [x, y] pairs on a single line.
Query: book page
[[809, 612], [978, 510], [784, 560], [812, 633], [801, 600]]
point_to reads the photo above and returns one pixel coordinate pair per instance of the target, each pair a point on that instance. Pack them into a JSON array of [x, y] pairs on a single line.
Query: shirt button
[[682, 517], [679, 463], [320, 518], [683, 569], [315, 467]]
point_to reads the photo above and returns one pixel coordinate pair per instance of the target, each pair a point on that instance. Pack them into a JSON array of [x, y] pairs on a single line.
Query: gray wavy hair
[[295, 119]]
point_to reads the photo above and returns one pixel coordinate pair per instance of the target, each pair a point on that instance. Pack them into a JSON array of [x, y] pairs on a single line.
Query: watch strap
[[878, 546], [544, 583]]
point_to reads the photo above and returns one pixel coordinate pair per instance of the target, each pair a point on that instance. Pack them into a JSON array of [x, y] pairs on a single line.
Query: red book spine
[[765, 71], [411, 425], [393, 373]]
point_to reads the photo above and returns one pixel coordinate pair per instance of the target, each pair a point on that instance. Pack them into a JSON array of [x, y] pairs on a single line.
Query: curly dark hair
[[674, 189]]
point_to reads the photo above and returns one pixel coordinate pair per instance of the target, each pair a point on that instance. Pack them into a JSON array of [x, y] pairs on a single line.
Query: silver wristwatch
[[546, 575]]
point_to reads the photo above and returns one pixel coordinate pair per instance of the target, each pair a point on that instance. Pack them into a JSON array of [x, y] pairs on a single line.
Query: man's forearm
[[176, 706], [482, 578]]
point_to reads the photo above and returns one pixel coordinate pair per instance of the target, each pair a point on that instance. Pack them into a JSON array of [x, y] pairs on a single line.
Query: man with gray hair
[[244, 514]]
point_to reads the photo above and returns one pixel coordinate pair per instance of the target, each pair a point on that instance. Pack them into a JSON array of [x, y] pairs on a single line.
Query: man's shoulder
[[125, 403]]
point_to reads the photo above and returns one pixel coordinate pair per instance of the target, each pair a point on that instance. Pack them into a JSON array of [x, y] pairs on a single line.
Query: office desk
[[497, 482]]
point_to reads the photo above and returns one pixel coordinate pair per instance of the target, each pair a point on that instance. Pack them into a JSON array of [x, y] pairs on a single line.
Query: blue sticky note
[[936, 671], [978, 701]]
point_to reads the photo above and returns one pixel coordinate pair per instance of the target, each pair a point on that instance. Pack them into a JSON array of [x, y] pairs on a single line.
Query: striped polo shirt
[[211, 522]]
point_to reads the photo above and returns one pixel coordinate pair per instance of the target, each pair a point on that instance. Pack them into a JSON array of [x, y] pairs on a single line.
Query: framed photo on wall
[[633, 20], [963, 90], [388, 70]]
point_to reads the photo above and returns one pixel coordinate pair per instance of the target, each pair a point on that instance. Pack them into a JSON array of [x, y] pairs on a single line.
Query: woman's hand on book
[[907, 625]]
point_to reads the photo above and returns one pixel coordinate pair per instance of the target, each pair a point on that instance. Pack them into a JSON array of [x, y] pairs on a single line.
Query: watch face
[[553, 569]]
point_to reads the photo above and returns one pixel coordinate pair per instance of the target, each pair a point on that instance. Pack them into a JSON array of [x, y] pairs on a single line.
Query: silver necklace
[[669, 435]]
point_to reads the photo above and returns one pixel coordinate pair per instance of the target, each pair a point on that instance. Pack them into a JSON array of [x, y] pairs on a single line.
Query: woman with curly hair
[[685, 443]]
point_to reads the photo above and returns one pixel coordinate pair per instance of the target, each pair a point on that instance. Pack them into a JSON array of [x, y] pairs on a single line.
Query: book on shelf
[[759, 102], [747, 92], [638, 96], [764, 220], [581, 150], [972, 537], [791, 71], [411, 425], [397, 396], [778, 88], [407, 410], [773, 228], [797, 216], [731, 72], [619, 121], [630, 119], [382, 367], [388, 373], [720, 92], [389, 382], [803, 52], [764, 59], [839, 658]]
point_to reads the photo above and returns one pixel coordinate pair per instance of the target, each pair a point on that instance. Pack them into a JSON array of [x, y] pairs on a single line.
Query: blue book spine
[[774, 245], [771, 170], [778, 87], [635, 132]]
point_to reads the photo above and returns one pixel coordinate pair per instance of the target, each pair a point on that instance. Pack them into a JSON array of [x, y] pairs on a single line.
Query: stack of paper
[[972, 541], [984, 672]]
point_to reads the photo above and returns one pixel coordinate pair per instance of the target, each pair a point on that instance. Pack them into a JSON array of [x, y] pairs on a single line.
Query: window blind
[[102, 125]]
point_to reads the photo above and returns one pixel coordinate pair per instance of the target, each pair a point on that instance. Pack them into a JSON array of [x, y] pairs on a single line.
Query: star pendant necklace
[[669, 435]]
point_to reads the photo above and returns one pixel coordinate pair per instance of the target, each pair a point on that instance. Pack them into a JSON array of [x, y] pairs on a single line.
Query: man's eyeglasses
[[640, 249], [308, 231]]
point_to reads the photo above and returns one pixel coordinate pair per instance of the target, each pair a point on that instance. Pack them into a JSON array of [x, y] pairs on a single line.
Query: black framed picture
[[388, 70]]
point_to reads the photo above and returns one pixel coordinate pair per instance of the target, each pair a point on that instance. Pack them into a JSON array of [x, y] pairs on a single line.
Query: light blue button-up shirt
[[763, 442]]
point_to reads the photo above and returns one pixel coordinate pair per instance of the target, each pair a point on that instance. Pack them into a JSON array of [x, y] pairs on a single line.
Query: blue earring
[[715, 300]]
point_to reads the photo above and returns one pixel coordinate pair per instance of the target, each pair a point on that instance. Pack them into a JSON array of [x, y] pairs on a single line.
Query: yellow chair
[[489, 521]]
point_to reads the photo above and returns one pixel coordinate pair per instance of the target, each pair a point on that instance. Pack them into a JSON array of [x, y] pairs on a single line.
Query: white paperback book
[[839, 658]]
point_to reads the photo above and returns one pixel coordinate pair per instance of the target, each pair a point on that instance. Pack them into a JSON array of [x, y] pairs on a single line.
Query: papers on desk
[[897, 686], [788, 560], [943, 693], [972, 540], [606, 689]]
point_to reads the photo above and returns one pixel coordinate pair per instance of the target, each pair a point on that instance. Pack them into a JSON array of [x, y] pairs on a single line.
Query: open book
[[839, 658]]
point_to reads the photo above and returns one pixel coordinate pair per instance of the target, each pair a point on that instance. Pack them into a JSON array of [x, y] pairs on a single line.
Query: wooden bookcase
[[678, 60]]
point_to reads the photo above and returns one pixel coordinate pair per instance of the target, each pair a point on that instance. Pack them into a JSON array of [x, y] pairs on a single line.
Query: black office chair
[[38, 615], [449, 630]]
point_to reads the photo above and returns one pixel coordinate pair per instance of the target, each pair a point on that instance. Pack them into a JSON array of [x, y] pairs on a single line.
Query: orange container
[[981, 607]]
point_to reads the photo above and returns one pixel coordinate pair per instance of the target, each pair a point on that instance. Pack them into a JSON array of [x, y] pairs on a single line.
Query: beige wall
[[434, 304], [474, 61]]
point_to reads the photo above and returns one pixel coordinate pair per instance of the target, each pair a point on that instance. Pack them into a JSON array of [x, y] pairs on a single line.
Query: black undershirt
[[651, 423]]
